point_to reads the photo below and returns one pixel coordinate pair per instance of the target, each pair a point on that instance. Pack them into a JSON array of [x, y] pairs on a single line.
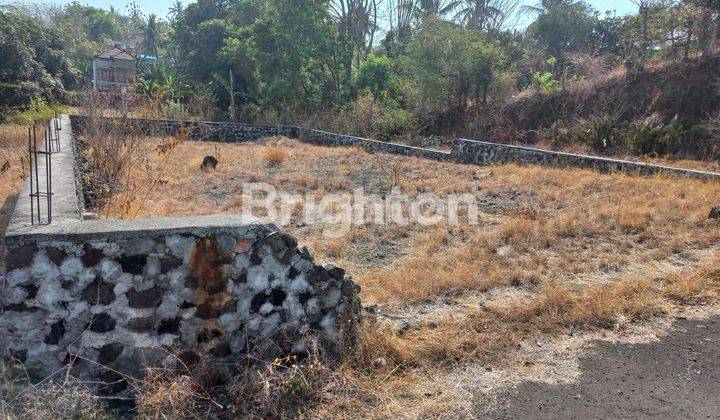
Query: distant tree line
[[382, 67]]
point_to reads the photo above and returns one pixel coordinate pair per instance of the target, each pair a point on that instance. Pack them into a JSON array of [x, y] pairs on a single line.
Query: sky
[[160, 7]]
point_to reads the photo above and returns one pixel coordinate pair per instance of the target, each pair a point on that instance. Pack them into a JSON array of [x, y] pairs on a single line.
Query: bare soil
[[674, 377]]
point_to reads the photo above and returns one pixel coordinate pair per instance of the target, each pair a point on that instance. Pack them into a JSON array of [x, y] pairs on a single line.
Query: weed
[[274, 155]]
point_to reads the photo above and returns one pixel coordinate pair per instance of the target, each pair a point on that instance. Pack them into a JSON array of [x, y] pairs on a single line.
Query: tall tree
[[446, 67], [435, 8], [644, 16], [300, 55], [487, 15], [33, 62], [563, 26], [358, 21], [400, 15], [175, 10], [151, 35]]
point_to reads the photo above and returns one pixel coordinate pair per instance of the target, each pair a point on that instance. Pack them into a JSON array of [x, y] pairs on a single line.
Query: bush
[[645, 137], [392, 121], [371, 118], [174, 110], [605, 133], [274, 155], [653, 137], [38, 112]]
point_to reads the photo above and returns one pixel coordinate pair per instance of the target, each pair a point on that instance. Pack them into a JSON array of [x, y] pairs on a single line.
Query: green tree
[[563, 26], [447, 66], [33, 62], [375, 75], [175, 10], [300, 56], [151, 37]]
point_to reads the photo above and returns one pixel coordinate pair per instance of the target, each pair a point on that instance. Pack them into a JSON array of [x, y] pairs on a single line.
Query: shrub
[[38, 112], [653, 137], [371, 118], [645, 137], [605, 133], [274, 155], [393, 121], [174, 110]]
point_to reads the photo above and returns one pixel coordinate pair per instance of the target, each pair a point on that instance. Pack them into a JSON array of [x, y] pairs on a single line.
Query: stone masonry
[[169, 299]]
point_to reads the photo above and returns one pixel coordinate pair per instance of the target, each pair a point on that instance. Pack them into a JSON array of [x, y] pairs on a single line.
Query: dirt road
[[677, 377]]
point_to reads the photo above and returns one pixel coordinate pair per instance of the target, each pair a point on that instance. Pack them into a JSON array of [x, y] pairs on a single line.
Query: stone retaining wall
[[109, 298], [325, 138], [196, 130], [485, 153], [112, 306]]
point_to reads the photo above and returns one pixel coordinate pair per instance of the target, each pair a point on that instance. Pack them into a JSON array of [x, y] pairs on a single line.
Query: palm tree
[[175, 10], [546, 5], [437, 8], [488, 15], [150, 43]]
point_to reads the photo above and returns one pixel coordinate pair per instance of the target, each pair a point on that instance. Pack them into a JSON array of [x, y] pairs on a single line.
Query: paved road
[[678, 377]]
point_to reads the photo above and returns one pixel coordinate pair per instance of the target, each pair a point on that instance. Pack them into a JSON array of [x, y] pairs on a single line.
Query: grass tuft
[[274, 155]]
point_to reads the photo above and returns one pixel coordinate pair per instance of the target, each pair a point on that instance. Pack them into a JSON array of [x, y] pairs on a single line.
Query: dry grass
[[70, 399], [486, 333], [13, 165], [274, 155], [537, 225], [579, 251]]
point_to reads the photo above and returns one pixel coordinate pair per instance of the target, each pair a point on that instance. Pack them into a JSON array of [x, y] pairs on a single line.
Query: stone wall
[[196, 130], [166, 299], [108, 298], [325, 138], [485, 153]]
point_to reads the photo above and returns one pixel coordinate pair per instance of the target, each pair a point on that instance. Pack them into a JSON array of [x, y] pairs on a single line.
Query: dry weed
[[69, 400], [274, 155], [13, 168]]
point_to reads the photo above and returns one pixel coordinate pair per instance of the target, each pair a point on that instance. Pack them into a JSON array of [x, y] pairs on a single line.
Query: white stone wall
[[107, 309]]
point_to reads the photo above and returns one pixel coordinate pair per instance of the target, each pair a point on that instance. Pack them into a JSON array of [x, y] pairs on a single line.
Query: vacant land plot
[[555, 251]]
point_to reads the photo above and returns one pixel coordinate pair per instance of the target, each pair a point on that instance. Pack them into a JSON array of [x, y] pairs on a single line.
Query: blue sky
[[160, 7]]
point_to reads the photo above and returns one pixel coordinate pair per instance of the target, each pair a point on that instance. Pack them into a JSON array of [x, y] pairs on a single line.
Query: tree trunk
[[232, 98]]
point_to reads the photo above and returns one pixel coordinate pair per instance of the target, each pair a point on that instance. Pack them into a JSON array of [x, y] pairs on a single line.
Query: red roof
[[116, 53]]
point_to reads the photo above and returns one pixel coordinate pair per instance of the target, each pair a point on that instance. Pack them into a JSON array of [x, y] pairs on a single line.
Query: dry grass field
[[556, 253], [13, 168]]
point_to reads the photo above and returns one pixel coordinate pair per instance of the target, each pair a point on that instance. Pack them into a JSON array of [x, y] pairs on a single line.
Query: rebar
[[30, 157], [35, 193]]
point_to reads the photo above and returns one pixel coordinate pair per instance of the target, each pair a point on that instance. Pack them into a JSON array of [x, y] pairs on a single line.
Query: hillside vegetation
[[668, 109], [398, 70]]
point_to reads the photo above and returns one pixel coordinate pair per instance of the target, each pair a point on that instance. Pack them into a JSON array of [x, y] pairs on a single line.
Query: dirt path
[[676, 377]]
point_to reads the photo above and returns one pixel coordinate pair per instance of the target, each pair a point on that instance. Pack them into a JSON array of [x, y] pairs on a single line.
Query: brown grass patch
[[274, 155], [537, 225], [13, 167]]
